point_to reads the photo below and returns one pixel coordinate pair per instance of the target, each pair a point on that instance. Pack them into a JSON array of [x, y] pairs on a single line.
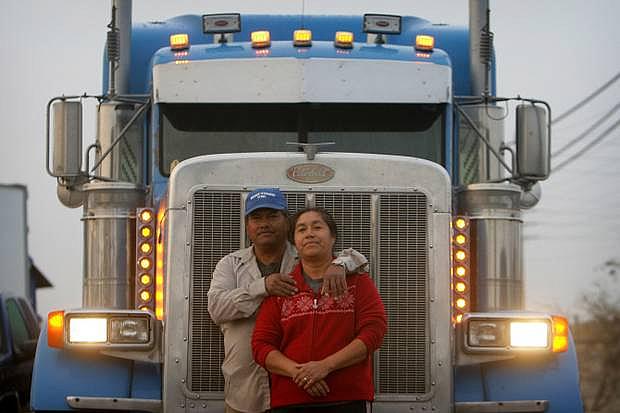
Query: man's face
[[267, 227]]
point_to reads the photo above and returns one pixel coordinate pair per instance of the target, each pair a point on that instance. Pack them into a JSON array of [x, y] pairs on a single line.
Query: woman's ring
[[305, 379]]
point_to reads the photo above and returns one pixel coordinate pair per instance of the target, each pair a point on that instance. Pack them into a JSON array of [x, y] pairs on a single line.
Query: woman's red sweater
[[309, 327]]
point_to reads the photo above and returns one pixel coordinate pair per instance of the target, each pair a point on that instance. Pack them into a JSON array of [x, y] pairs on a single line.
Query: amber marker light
[[424, 42], [146, 216], [302, 38], [145, 296], [343, 40], [461, 271], [459, 318], [179, 41], [460, 223], [460, 255], [460, 287], [56, 329], [145, 263], [159, 264], [146, 232], [461, 303], [146, 248], [145, 279], [260, 39], [560, 334], [460, 239]]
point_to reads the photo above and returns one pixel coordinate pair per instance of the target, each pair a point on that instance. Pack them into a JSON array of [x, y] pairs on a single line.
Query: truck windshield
[[188, 130]]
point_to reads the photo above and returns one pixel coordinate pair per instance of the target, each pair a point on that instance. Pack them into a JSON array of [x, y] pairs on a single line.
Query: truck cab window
[[188, 130], [3, 338], [17, 323]]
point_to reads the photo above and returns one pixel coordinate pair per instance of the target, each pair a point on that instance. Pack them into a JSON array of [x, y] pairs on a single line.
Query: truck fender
[[59, 373], [553, 377]]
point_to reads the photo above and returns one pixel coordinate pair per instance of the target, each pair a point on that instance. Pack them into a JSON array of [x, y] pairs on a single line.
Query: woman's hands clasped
[[310, 377]]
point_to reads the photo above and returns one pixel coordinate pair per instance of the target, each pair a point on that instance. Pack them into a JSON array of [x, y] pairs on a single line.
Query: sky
[[555, 51]]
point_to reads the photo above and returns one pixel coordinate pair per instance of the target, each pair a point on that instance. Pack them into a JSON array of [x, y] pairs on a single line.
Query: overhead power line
[[589, 146], [586, 99], [585, 133]]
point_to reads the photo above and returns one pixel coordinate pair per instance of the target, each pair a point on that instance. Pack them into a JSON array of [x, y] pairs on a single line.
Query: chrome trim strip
[[114, 403]]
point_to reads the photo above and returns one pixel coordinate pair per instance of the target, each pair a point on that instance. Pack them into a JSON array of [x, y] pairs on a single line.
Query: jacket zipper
[[315, 306]]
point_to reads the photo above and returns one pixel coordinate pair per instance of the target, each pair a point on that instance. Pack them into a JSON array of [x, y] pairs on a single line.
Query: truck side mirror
[[533, 143], [67, 155]]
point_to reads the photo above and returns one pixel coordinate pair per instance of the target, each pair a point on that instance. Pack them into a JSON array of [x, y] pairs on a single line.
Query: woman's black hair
[[326, 216]]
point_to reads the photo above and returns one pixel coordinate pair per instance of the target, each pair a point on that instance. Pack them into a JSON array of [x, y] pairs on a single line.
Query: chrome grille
[[216, 232], [403, 361], [295, 201], [351, 211], [397, 247]]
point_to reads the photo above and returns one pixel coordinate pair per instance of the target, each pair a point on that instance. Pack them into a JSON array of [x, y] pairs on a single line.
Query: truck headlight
[[88, 330], [113, 329], [513, 332], [532, 334], [133, 330], [487, 333]]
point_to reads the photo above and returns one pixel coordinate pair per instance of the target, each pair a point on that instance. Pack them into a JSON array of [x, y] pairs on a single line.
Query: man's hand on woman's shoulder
[[282, 285]]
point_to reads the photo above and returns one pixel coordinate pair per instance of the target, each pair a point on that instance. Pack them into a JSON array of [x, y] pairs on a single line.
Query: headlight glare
[[529, 334], [88, 330]]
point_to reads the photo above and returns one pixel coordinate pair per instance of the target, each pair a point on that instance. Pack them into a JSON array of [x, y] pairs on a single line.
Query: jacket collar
[[247, 254]]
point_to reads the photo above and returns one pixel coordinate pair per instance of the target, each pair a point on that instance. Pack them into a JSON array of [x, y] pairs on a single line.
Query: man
[[243, 278]]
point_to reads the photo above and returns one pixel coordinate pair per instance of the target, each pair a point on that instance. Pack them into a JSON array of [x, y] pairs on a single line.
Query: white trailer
[[14, 260]]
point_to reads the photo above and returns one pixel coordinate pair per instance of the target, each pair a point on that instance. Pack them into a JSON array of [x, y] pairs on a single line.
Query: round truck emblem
[[310, 173]]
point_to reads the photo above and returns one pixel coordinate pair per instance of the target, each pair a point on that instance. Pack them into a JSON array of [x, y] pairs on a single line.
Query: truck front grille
[[389, 228], [215, 233]]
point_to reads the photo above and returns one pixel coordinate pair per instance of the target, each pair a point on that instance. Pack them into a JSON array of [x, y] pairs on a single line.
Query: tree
[[603, 306]]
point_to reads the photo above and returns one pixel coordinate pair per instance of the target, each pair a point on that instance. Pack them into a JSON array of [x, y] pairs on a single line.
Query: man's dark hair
[[326, 216]]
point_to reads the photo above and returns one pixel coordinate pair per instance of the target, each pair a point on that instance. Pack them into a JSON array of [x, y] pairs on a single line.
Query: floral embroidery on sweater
[[303, 304]]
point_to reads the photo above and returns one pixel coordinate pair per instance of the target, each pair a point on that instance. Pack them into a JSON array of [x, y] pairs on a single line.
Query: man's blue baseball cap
[[265, 198]]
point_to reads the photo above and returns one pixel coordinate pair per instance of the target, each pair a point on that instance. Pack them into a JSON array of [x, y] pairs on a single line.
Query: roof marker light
[[179, 41], [424, 42], [343, 40], [302, 38], [260, 39]]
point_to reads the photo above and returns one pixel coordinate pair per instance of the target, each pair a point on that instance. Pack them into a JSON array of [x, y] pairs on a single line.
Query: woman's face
[[313, 237]]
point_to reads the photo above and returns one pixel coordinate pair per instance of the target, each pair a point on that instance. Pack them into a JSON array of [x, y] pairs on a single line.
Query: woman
[[317, 348]]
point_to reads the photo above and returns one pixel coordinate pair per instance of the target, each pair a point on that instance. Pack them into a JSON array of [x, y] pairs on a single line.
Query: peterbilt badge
[[310, 173]]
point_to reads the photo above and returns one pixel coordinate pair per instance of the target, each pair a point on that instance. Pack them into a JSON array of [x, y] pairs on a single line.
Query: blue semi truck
[[390, 122]]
